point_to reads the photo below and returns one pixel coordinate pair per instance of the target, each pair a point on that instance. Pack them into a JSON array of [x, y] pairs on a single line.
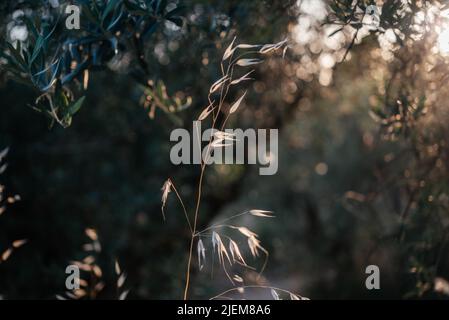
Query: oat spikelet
[[236, 104], [89, 259], [261, 213], [79, 293], [254, 246], [242, 78], [235, 252], [117, 268], [3, 153], [121, 280], [123, 295], [218, 84], [6, 254], [92, 234], [98, 287], [246, 232], [247, 46], [224, 135], [275, 295], [205, 113], [229, 50], [248, 62], [201, 253], [272, 47], [221, 249], [441, 285], [18, 243], [166, 189], [294, 297], [97, 271]]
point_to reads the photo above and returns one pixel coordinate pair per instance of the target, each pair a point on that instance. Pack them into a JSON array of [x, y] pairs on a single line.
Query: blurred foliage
[[55, 60]]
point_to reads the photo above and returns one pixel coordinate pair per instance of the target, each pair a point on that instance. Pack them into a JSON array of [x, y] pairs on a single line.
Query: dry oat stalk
[[250, 55], [166, 188]]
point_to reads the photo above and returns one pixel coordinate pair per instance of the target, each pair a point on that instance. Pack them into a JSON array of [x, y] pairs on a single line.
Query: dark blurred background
[[350, 191]]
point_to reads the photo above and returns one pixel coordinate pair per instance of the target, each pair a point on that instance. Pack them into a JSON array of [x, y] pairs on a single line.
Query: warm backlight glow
[[443, 41]]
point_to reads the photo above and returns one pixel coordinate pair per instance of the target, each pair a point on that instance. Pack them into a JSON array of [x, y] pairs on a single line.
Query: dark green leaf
[[109, 7], [17, 56], [75, 106]]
